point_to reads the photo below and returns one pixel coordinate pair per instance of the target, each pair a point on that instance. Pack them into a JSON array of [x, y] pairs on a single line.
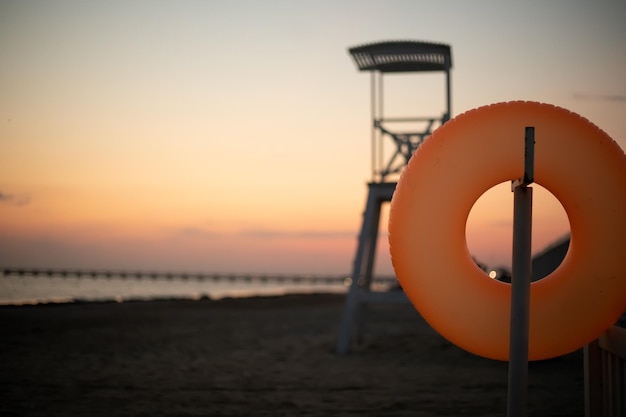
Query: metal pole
[[448, 96], [381, 114], [520, 282], [373, 93]]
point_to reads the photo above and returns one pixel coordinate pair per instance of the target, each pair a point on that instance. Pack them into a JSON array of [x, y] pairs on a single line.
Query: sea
[[41, 288]]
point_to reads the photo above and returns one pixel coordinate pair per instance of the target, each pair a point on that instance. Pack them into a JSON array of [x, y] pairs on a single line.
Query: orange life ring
[[576, 161]]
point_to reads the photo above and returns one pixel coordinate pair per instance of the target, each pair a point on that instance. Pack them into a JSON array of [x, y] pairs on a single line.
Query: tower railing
[[405, 141]]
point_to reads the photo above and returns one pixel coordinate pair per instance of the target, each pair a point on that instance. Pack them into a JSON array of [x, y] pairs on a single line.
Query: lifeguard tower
[[404, 134]]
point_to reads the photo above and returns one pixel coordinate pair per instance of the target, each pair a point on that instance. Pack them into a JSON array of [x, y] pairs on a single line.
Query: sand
[[271, 356]]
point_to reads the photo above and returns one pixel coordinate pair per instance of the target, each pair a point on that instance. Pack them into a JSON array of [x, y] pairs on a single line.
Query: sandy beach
[[272, 356]]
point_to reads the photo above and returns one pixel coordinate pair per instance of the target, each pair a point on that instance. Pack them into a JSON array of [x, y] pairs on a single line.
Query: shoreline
[[165, 299], [29, 290], [147, 299]]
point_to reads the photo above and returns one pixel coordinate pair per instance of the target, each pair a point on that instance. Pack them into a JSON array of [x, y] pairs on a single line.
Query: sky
[[234, 136]]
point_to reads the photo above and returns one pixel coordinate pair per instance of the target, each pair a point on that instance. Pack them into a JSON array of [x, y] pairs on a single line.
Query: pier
[[197, 276]]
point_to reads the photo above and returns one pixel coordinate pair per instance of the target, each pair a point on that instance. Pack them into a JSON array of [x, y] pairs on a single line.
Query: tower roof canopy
[[402, 56]]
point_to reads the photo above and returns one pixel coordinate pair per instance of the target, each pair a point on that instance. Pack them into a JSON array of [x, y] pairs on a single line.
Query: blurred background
[[235, 136]]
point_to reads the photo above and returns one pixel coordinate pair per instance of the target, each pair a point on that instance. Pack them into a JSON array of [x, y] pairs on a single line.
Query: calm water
[[42, 289]]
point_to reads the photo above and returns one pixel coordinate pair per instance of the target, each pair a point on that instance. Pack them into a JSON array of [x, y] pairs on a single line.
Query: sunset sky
[[235, 136]]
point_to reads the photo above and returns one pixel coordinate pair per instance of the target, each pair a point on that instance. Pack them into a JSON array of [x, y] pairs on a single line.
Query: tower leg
[[363, 267]]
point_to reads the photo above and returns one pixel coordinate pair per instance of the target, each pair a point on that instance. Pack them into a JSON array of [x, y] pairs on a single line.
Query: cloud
[[304, 234], [13, 199], [600, 97], [201, 233], [500, 223], [197, 232], [614, 97]]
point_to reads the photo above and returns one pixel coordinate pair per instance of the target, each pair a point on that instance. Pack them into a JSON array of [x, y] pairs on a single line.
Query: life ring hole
[[489, 232]]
